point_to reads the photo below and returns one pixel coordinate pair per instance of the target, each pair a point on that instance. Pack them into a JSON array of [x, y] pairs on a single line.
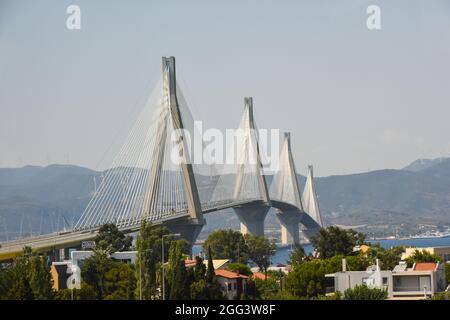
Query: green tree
[[93, 272], [362, 292], [204, 285], [214, 291], [86, 292], [24, 279], [422, 256], [148, 264], [307, 280], [6, 282], [41, 281], [120, 282], [199, 269], [356, 263], [228, 244], [447, 273], [239, 267], [389, 258], [178, 284], [280, 295], [15, 282], [441, 296], [199, 290], [260, 251], [111, 239], [333, 241], [297, 255], [334, 296], [270, 287], [210, 274]]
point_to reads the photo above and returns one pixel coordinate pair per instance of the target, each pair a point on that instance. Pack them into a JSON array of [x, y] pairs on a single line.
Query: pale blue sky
[[353, 99]]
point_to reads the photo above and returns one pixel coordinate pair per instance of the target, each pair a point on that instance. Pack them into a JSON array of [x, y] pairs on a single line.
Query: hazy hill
[[43, 199], [423, 164]]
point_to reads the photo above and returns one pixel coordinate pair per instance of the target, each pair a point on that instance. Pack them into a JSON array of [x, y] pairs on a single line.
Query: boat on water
[[433, 235]]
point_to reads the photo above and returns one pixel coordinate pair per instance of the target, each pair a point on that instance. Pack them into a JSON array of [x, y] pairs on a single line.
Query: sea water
[[282, 254]]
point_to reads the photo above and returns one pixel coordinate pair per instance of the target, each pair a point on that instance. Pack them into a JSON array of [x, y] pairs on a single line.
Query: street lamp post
[[162, 262]]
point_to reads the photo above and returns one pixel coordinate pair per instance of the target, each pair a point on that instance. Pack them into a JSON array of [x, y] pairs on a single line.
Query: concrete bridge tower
[[285, 192], [250, 181], [188, 227]]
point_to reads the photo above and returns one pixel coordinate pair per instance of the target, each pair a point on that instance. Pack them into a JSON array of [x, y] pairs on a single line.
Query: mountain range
[[37, 199]]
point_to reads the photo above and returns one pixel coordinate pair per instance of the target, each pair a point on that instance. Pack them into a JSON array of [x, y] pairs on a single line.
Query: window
[[235, 286], [446, 257], [385, 281], [229, 286]]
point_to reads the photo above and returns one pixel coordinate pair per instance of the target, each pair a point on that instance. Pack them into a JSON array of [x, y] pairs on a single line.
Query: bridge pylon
[[189, 227], [250, 182], [285, 189], [313, 218]]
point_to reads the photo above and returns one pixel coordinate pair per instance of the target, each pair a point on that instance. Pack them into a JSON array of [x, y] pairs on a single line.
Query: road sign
[[88, 244]]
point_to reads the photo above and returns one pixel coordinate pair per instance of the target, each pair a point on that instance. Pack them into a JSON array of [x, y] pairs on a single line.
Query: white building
[[420, 281], [232, 284], [67, 274]]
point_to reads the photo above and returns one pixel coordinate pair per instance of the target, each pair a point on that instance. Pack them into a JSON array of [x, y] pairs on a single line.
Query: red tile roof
[[259, 275], [189, 263], [425, 266], [229, 274]]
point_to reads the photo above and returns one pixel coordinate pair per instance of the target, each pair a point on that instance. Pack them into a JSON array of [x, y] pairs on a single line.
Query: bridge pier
[[308, 233], [188, 229], [252, 218], [289, 221], [311, 226]]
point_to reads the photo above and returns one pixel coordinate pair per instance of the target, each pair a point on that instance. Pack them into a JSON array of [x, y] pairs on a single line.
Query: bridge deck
[[46, 242]]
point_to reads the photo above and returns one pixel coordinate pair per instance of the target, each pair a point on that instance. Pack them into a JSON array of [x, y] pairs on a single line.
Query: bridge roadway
[[66, 239]]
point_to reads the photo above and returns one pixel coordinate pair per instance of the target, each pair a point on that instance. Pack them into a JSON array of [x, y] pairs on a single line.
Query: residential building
[[372, 277], [258, 275], [420, 281], [217, 263], [232, 284], [443, 252], [423, 279], [67, 274]]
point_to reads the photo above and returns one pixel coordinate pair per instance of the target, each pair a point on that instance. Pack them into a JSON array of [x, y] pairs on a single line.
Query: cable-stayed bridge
[[155, 178]]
